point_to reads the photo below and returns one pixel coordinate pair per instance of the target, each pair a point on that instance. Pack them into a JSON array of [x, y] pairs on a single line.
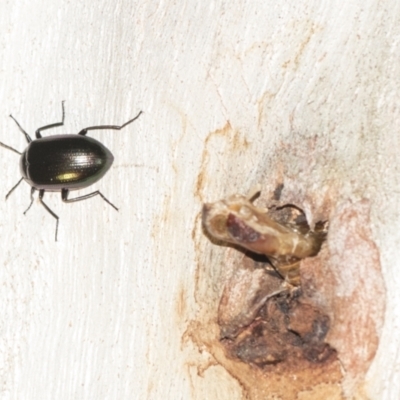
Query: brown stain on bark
[[344, 283], [202, 177]]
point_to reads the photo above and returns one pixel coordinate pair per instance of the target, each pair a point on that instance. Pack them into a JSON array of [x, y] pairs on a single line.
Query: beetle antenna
[[10, 148], [28, 138]]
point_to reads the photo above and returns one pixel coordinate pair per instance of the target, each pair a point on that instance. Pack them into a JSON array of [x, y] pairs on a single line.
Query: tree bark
[[234, 94]]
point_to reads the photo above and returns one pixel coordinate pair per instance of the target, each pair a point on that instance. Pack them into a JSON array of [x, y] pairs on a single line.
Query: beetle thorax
[[23, 165]]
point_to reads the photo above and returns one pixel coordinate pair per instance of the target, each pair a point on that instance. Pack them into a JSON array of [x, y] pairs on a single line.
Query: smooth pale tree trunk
[[234, 94]]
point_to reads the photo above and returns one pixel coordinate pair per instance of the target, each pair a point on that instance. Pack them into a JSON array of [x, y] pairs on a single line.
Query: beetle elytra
[[61, 163]]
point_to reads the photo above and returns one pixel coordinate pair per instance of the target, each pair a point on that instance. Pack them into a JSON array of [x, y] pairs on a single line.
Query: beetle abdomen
[[65, 162]]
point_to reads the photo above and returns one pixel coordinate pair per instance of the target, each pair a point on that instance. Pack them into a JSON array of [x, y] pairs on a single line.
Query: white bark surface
[[102, 313]]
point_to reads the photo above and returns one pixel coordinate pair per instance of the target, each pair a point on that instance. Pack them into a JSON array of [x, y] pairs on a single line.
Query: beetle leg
[[30, 205], [41, 194], [83, 132], [65, 192], [38, 134], [12, 189]]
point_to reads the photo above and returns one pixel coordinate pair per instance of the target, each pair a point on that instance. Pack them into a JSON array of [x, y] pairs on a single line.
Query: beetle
[[61, 163]]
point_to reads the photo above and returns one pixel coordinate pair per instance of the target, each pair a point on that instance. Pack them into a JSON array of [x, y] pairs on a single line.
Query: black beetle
[[64, 162]]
